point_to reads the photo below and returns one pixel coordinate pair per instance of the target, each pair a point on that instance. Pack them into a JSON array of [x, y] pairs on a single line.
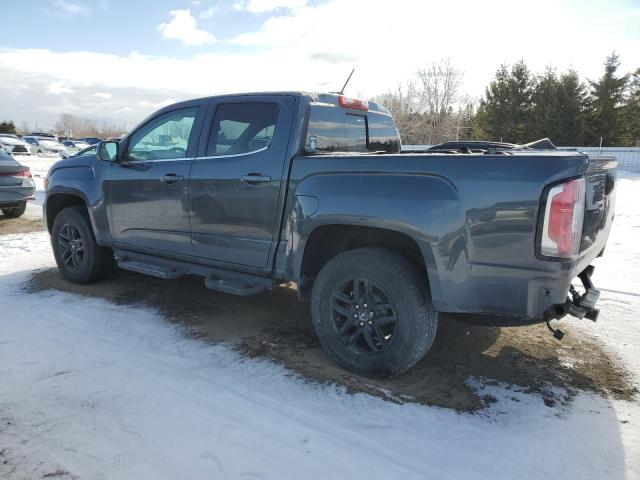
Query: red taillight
[[23, 174], [564, 214], [358, 104]]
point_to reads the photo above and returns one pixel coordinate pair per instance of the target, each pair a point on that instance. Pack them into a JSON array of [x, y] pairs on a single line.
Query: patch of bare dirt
[[276, 326], [22, 224]]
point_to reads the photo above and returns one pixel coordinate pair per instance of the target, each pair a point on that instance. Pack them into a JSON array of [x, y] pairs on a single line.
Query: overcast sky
[[122, 59]]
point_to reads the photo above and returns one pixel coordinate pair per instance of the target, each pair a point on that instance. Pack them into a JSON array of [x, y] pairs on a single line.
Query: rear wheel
[[80, 259], [15, 212], [372, 313]]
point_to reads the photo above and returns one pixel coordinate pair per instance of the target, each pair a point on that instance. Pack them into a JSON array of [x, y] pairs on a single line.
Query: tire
[[395, 287], [80, 259], [15, 212]]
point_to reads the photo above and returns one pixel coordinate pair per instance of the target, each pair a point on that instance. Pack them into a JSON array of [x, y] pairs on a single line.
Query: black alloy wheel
[[72, 246], [363, 316]]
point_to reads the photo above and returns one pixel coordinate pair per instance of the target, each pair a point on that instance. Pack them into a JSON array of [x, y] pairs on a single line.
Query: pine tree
[[544, 120], [8, 127], [631, 112], [572, 110], [505, 112], [607, 95]]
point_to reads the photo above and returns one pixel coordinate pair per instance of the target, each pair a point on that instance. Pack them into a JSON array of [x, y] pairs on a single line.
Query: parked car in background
[[51, 136], [74, 146], [16, 186], [12, 145], [44, 145], [91, 150], [91, 140]]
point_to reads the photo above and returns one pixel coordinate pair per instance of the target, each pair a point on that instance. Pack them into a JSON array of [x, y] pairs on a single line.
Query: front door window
[[166, 137]]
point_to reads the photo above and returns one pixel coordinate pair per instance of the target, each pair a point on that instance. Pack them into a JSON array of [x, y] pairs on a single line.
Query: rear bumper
[[519, 296], [13, 195]]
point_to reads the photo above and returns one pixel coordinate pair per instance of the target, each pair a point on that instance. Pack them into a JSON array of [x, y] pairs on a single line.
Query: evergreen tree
[[505, 112], [8, 127], [572, 111], [544, 120], [631, 112], [607, 95]]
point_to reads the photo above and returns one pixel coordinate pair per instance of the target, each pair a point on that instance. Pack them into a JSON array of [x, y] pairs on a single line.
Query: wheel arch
[[329, 240], [59, 200]]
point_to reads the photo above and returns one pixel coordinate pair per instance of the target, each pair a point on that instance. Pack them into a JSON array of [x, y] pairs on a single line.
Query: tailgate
[[600, 202]]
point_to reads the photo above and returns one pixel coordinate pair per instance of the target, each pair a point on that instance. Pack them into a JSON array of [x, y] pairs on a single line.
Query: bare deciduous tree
[[70, 125], [430, 109], [438, 94]]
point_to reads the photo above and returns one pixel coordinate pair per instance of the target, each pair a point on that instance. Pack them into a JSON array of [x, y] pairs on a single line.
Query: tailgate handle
[[253, 178]]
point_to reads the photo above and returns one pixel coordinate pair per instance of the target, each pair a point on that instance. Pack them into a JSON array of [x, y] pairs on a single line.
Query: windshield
[[48, 143]]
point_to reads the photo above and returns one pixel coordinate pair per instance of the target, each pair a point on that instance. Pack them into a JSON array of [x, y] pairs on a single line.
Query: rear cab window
[[333, 128]]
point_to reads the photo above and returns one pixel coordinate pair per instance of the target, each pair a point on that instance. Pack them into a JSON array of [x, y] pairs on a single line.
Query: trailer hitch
[[578, 305], [583, 306]]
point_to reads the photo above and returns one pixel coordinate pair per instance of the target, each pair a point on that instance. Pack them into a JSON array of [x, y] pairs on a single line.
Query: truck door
[[236, 186], [147, 191]]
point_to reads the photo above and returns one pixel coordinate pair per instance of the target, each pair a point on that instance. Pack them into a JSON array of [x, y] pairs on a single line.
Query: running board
[[159, 271], [221, 280], [236, 283]]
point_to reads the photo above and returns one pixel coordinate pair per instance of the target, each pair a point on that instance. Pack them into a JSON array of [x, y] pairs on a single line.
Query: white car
[[13, 145], [44, 145]]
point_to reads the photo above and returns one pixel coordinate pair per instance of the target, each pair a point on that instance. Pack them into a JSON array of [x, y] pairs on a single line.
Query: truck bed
[[474, 218]]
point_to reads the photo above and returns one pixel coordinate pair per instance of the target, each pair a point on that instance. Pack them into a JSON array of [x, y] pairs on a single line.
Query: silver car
[[13, 145], [44, 145], [16, 186]]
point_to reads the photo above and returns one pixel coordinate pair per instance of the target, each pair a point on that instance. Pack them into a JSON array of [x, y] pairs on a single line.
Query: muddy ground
[[23, 224], [275, 325]]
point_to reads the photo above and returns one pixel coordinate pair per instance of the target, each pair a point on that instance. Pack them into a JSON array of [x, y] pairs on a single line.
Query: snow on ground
[[93, 390]]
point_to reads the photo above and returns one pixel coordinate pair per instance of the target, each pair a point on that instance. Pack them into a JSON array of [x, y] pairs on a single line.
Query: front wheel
[[80, 259], [15, 212], [371, 311]]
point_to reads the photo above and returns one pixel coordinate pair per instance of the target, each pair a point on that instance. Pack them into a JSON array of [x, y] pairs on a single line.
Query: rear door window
[[332, 129], [242, 128]]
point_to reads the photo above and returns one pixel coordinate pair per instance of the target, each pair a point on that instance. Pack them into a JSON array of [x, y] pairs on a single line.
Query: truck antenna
[[345, 83]]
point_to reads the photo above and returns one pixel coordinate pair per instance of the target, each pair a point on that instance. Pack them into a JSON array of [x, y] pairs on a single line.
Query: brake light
[[355, 103], [24, 174], [564, 214]]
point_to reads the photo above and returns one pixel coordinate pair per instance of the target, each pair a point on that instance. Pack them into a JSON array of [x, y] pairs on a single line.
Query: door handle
[[171, 178], [253, 178]]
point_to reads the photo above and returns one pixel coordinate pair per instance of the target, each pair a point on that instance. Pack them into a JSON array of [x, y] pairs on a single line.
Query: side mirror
[[108, 151]]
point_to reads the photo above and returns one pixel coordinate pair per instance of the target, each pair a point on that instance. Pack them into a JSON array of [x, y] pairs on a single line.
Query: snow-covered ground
[[93, 390]]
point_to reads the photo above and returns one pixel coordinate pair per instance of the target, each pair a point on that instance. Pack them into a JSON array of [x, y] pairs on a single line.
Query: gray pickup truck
[[255, 190]]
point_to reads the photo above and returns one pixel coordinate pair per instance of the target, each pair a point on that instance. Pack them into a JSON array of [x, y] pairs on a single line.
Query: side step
[[236, 283], [158, 271], [227, 281]]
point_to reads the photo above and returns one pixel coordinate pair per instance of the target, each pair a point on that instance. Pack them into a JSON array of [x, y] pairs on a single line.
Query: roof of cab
[[331, 98]]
